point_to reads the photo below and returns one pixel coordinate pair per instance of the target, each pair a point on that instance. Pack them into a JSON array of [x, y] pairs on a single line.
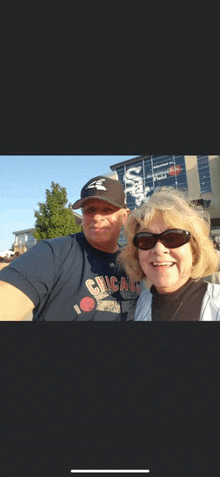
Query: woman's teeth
[[162, 264]]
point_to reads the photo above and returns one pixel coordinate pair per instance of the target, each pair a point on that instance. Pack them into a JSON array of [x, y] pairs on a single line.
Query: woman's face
[[168, 269]]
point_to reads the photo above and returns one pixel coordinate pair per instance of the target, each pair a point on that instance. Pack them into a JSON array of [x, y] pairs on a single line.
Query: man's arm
[[14, 304]]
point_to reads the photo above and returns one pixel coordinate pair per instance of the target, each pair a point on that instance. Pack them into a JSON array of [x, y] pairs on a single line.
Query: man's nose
[[97, 216]]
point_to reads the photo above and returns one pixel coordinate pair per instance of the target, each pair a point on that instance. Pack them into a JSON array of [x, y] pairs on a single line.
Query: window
[[204, 174]]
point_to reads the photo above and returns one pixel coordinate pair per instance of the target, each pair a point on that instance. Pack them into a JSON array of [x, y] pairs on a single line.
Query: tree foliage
[[54, 218]]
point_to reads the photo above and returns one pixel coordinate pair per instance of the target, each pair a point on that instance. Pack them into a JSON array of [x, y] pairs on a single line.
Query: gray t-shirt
[[69, 280]]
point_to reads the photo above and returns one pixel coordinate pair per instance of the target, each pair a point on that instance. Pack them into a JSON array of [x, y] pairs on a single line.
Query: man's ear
[[125, 215]]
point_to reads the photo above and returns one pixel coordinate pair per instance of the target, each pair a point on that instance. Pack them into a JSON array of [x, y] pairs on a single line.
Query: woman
[[215, 277], [169, 243]]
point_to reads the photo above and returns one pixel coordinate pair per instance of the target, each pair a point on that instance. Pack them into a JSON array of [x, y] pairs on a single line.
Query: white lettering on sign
[[134, 184], [161, 165]]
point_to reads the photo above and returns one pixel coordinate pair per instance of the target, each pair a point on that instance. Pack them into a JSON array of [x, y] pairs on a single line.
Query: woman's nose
[[160, 247]]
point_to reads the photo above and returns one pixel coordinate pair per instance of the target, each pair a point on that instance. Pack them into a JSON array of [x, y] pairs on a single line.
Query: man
[[75, 278]]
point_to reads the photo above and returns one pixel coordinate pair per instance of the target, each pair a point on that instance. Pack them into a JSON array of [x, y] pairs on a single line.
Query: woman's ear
[[194, 255]]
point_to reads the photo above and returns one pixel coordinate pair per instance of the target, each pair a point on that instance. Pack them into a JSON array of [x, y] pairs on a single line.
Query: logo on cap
[[97, 185]]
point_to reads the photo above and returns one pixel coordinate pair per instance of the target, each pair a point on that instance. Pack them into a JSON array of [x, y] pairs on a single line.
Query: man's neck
[[104, 247]]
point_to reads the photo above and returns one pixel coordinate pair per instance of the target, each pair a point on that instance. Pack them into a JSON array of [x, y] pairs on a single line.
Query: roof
[[129, 161], [26, 231], [77, 215]]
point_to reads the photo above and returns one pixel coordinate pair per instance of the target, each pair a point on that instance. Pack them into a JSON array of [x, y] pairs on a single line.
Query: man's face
[[102, 223]]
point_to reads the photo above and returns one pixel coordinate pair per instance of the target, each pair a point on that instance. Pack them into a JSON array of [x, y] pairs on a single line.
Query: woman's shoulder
[[213, 291], [145, 294], [210, 310], [143, 309]]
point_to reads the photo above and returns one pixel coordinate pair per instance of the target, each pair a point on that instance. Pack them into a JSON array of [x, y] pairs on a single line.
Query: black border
[[110, 395]]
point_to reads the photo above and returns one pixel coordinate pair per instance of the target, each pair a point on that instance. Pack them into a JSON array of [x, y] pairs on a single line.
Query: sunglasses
[[172, 238]]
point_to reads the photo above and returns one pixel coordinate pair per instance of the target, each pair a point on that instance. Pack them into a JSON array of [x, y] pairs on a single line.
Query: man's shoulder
[[73, 244], [66, 241]]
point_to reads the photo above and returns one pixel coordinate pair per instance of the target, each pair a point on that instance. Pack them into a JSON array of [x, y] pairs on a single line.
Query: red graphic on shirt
[[87, 304], [175, 170]]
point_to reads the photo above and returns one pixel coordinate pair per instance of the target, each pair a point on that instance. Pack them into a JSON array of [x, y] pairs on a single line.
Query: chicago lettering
[[109, 284]]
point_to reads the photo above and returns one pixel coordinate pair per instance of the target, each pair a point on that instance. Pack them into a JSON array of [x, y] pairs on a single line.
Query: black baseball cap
[[102, 188]]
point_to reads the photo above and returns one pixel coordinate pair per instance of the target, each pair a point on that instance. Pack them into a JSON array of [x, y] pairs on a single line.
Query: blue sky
[[24, 180]]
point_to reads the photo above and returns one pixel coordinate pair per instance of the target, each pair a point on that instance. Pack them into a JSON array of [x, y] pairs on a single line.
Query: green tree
[[54, 218]]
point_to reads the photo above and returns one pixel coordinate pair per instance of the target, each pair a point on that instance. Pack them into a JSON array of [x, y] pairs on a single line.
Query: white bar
[[111, 471]]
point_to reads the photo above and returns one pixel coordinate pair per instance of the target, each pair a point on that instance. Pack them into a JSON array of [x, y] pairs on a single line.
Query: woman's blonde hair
[[178, 212]]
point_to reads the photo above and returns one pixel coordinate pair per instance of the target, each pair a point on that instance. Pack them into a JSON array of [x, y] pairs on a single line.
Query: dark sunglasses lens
[[175, 239], [171, 239], [144, 242]]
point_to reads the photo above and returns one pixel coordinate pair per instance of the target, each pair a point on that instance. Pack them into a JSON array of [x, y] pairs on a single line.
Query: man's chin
[[100, 235], [99, 240], [98, 230], [102, 243]]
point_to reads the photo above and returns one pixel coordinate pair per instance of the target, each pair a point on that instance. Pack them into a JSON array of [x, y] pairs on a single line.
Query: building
[[78, 217], [24, 239], [197, 174]]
